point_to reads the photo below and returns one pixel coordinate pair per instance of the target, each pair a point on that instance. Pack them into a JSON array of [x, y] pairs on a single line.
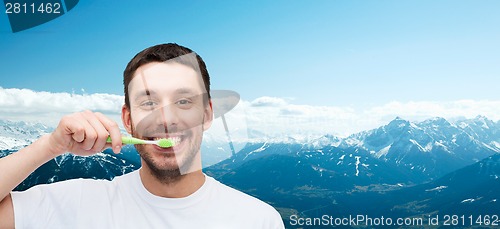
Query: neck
[[184, 186]]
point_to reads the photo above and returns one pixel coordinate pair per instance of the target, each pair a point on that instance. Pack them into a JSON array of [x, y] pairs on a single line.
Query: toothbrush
[[164, 142]]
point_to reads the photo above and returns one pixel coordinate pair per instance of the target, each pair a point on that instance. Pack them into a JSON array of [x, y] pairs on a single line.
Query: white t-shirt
[[125, 203]]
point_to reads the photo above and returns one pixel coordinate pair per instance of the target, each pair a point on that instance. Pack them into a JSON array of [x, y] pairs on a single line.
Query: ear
[[208, 116], [126, 119]]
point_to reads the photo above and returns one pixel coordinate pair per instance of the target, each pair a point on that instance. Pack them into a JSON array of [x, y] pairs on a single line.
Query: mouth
[[175, 139]]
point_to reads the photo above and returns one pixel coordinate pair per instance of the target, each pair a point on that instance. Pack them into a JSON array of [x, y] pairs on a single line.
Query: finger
[[69, 131], [108, 146], [74, 128], [102, 133], [113, 130], [90, 133]]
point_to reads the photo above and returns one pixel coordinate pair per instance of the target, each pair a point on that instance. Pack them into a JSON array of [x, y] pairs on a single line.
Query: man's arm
[[82, 133], [6, 213]]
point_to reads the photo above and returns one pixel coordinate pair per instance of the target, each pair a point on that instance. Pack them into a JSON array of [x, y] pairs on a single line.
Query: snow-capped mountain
[[484, 129], [336, 176], [15, 135], [399, 153], [434, 147]]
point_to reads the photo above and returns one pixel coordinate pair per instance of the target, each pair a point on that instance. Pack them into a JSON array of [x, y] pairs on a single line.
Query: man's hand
[[84, 133]]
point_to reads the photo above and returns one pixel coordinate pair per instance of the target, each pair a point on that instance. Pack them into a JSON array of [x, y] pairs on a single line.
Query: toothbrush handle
[[127, 140]]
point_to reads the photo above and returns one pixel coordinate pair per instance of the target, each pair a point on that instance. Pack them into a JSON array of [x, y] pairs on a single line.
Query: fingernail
[[116, 150]]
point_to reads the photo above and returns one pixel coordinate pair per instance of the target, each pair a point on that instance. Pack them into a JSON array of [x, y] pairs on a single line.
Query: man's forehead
[[170, 76], [169, 66]]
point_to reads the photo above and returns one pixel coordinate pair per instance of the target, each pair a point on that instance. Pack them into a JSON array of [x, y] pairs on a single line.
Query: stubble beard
[[171, 174]]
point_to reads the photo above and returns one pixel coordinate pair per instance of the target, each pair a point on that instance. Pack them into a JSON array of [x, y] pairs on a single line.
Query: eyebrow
[[180, 91], [184, 90], [145, 93]]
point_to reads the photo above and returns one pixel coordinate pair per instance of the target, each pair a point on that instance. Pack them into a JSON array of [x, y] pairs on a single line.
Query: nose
[[168, 117]]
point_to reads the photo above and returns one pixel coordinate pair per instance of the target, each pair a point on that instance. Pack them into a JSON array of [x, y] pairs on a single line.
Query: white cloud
[[268, 101], [48, 107], [276, 116], [269, 115]]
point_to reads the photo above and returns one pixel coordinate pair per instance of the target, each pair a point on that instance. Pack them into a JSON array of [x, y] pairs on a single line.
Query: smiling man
[[167, 95]]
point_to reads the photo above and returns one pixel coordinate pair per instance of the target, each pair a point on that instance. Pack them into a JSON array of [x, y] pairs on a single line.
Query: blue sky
[[353, 54]]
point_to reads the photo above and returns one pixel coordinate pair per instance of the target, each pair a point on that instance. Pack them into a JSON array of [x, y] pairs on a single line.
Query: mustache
[[159, 129]]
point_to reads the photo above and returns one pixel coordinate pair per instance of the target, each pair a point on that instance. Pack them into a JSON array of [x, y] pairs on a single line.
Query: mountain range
[[400, 152], [399, 169], [402, 168], [14, 135]]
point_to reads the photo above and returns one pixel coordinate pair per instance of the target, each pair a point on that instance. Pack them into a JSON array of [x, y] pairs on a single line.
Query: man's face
[[166, 101]]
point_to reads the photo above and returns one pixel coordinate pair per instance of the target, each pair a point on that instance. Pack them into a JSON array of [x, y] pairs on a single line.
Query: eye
[[184, 103], [148, 103]]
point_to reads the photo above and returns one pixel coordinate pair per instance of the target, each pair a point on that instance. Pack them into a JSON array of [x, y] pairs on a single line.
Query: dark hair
[[162, 53]]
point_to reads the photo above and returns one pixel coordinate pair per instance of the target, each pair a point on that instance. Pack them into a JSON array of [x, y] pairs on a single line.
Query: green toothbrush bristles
[[165, 143]]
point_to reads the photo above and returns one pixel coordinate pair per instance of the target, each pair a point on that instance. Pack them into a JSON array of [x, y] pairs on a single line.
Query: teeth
[[173, 139], [176, 140]]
